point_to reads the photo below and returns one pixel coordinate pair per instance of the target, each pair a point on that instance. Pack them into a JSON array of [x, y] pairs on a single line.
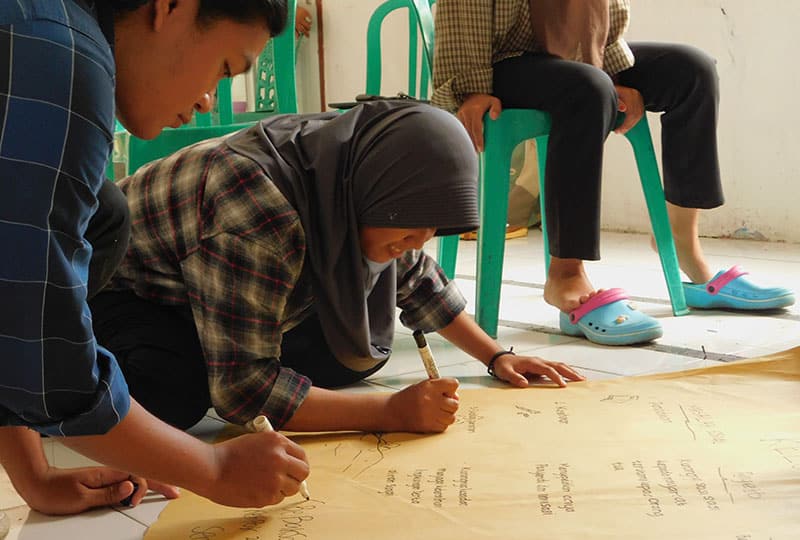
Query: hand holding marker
[[261, 424]]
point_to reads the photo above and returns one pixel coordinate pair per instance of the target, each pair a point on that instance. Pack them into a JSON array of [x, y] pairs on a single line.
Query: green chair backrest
[[276, 80], [420, 21]]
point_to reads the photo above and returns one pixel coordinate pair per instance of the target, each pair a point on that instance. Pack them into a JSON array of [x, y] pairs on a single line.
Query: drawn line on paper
[[687, 422], [381, 444], [725, 484], [620, 398], [352, 461]]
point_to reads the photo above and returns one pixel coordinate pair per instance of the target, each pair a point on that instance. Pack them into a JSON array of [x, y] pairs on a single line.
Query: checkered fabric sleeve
[[462, 60], [56, 113], [427, 299], [618, 55]]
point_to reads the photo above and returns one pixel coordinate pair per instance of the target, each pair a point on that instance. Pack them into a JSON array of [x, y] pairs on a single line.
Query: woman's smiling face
[[382, 244]]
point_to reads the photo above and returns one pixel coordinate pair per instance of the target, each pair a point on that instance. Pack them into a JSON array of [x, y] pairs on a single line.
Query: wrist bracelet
[[495, 356]]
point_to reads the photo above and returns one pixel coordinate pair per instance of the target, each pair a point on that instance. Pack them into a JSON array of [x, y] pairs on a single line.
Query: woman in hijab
[[267, 267]]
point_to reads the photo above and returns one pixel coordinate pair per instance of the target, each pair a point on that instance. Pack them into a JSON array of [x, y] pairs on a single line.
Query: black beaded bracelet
[[498, 354]]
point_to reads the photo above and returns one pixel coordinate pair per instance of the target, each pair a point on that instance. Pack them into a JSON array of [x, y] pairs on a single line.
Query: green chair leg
[[493, 208], [639, 137], [448, 250]]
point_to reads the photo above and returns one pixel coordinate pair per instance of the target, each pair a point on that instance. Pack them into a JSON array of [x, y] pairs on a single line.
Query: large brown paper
[[704, 454]]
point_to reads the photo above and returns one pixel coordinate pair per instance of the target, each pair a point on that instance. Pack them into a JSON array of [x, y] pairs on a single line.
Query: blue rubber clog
[[731, 290], [608, 319]]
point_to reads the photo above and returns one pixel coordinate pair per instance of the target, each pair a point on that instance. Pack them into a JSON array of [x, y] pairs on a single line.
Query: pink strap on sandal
[[600, 299], [715, 285]]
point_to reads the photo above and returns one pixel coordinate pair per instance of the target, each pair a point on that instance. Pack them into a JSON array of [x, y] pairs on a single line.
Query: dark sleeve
[[57, 114]]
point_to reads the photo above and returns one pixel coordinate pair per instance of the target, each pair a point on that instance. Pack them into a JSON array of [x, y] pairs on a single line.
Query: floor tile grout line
[[142, 523]]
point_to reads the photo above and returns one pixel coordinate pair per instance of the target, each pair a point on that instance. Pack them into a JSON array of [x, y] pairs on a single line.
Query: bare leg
[[685, 232], [567, 285]]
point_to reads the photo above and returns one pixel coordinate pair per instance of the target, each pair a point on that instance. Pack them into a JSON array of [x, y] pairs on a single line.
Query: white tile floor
[[697, 340]]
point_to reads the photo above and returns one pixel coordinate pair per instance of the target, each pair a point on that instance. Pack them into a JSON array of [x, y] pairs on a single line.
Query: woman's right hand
[[471, 114], [429, 406], [257, 469]]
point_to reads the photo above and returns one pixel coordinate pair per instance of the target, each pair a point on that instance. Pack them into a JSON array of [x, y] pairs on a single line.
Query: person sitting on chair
[[569, 58]]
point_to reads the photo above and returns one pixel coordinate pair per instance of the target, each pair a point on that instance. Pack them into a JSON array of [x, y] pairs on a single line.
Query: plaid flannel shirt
[[212, 231], [57, 115], [473, 35]]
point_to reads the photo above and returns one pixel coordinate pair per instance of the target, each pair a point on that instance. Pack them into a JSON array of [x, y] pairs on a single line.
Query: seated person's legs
[[583, 105], [682, 82]]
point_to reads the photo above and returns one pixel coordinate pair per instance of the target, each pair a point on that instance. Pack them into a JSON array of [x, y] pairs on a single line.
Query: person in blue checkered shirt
[[66, 68]]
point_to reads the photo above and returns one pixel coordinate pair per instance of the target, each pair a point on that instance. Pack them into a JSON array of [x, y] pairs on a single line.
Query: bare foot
[[567, 285]]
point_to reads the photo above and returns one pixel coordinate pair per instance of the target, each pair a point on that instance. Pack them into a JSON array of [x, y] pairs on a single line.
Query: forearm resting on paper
[[428, 406]]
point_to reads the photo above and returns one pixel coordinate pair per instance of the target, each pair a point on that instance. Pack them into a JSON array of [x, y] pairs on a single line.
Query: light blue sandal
[[608, 319], [730, 290]]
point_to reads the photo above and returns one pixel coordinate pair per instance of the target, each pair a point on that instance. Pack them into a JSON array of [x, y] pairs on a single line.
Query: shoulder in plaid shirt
[[212, 231], [473, 35]]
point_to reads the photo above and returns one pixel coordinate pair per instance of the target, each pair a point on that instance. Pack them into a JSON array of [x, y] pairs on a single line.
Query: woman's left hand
[[632, 104], [514, 368]]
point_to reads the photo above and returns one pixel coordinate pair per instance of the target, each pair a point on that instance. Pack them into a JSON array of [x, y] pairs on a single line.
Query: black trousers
[[677, 80], [108, 231], [160, 354]]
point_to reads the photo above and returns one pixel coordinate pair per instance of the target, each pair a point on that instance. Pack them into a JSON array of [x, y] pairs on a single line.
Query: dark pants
[[108, 231], [679, 81], [160, 354]]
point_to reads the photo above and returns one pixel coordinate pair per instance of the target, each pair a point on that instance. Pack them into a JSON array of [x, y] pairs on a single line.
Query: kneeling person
[[266, 268]]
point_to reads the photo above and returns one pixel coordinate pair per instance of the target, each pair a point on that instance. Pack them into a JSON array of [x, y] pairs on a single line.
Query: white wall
[[755, 46], [345, 28]]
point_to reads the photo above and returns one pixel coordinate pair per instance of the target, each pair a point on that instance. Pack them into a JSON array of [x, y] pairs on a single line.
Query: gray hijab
[[381, 164]]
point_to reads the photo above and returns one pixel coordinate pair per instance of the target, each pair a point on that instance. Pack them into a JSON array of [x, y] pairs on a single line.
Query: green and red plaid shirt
[[473, 35], [210, 230]]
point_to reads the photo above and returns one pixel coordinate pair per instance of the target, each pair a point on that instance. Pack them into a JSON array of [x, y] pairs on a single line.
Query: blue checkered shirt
[[56, 117]]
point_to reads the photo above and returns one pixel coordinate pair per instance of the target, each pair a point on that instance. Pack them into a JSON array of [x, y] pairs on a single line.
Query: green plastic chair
[[375, 60], [275, 93], [501, 136]]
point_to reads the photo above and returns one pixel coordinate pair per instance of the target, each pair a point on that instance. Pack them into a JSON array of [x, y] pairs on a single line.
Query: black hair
[[272, 12]]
